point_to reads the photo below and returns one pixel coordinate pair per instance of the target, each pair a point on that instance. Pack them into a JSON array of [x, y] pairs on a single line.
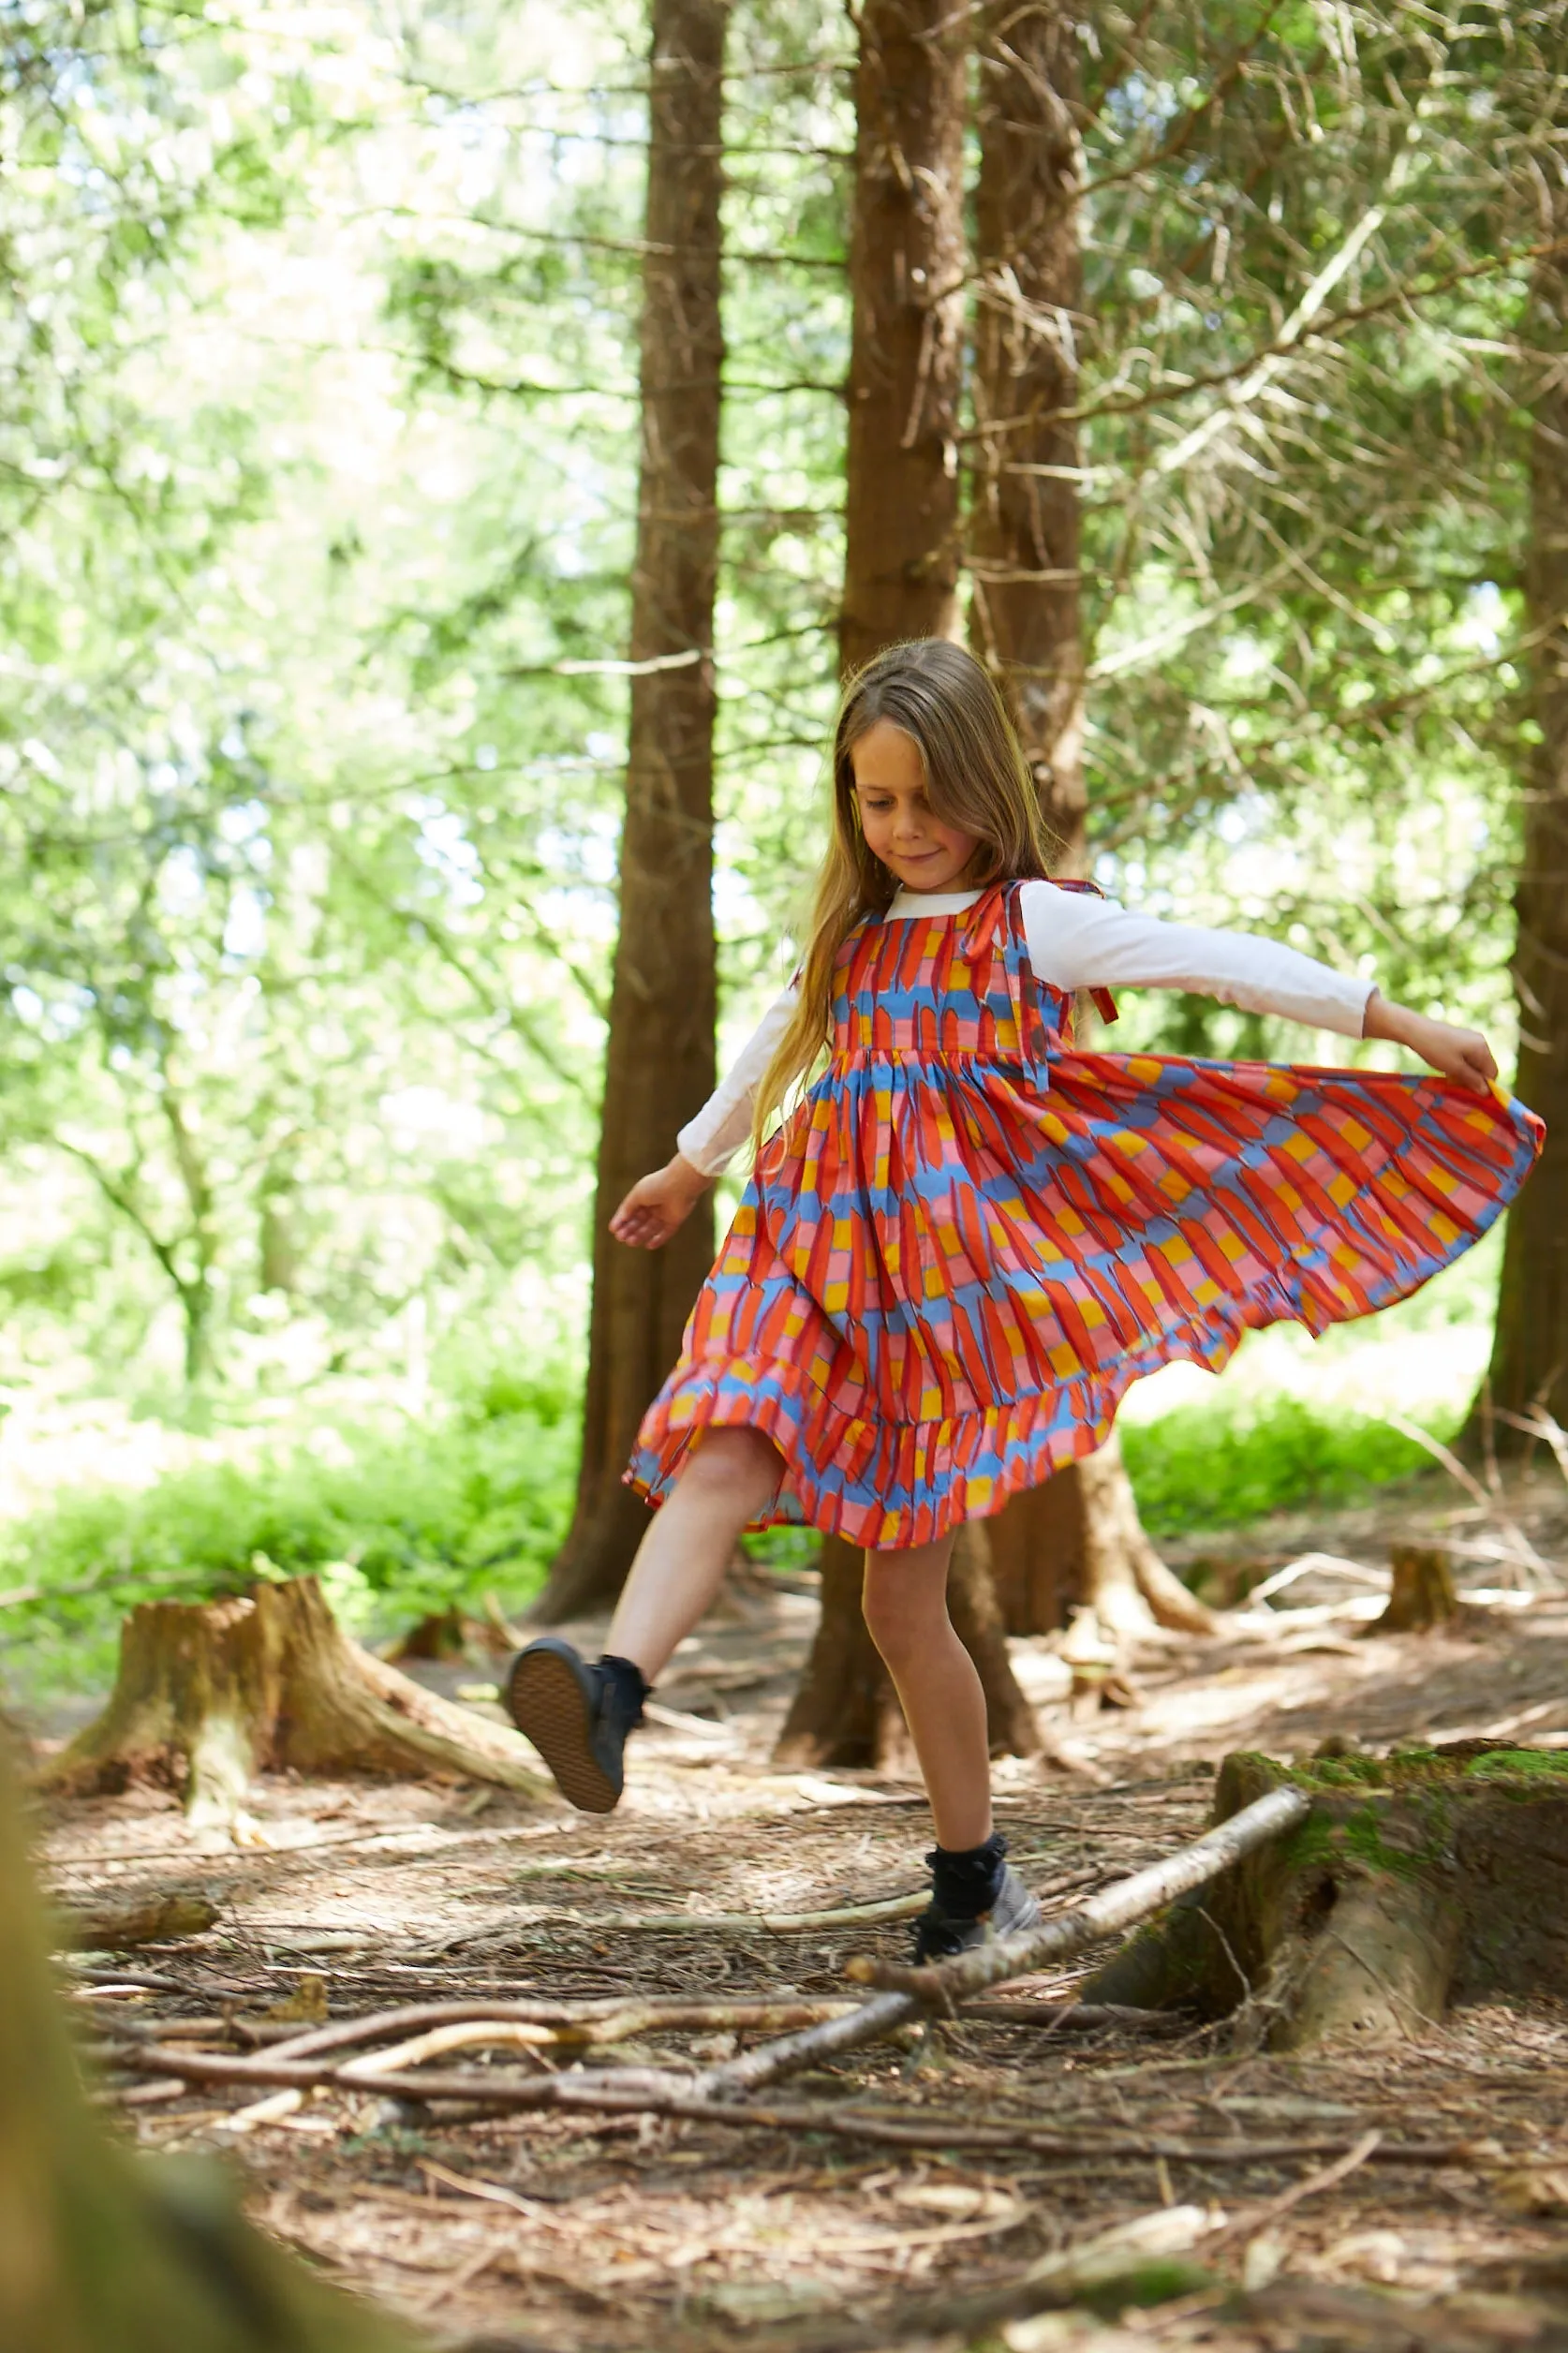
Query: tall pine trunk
[[1529, 1350], [901, 580], [906, 275], [659, 1065], [1077, 1538]]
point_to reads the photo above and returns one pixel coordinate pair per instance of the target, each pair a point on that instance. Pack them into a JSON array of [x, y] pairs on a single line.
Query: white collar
[[931, 903]]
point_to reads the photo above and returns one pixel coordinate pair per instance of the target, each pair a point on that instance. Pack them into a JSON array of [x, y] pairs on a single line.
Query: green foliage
[[396, 1520], [1221, 1465], [318, 462]]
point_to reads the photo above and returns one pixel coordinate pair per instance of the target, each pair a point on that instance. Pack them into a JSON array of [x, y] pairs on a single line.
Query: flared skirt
[[941, 1283]]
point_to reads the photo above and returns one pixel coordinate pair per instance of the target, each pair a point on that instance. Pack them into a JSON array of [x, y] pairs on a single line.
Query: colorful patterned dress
[[970, 1238]]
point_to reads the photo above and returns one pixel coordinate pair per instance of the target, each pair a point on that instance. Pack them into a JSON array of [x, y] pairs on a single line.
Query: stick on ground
[[910, 1992]]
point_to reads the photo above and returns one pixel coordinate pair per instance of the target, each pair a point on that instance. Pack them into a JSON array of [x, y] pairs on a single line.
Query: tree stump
[[1431, 1877], [1422, 1595], [209, 1693], [101, 2253], [845, 1710]]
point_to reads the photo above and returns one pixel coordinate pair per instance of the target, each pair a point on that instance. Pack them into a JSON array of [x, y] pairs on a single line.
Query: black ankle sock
[[631, 1685], [966, 1882]]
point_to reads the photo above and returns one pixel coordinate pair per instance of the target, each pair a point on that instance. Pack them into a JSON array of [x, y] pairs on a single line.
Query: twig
[[653, 2092], [1246, 2226], [1538, 1423], [1526, 1554], [1317, 1565], [909, 1992], [612, 2020]]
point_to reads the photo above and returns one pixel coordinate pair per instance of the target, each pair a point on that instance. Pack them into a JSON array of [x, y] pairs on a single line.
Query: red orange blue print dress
[[970, 1238]]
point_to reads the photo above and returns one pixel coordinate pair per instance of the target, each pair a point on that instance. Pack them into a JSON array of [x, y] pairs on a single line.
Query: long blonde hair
[[976, 778]]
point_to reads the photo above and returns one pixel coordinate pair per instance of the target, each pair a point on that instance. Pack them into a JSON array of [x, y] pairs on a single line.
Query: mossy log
[[209, 1693], [1428, 1878], [101, 2253]]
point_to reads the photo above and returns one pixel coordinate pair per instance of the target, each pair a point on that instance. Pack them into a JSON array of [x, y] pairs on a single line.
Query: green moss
[[1341, 1772], [1520, 1765]]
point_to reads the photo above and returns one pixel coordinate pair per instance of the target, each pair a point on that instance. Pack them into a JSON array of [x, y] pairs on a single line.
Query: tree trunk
[[1430, 1878], [901, 572], [660, 1064], [209, 1693], [906, 272], [99, 2253], [1078, 1537], [846, 1711], [1026, 525], [1529, 1349]]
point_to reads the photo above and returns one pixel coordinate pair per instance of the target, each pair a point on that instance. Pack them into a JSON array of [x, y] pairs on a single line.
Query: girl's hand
[[1461, 1054], [657, 1204]]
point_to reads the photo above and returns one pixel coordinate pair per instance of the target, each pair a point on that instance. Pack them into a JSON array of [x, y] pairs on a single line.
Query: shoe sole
[[547, 1703]]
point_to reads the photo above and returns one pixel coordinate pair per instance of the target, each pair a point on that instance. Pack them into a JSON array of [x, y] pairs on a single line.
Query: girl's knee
[[735, 1459], [900, 1615]]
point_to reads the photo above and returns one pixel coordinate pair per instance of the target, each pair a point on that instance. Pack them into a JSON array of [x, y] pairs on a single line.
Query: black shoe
[[577, 1716], [939, 1935]]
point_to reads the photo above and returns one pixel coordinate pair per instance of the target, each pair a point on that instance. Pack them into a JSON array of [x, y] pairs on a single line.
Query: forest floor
[[577, 2232]]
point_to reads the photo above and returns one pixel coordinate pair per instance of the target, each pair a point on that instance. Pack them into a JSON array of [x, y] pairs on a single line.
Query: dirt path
[[557, 2232]]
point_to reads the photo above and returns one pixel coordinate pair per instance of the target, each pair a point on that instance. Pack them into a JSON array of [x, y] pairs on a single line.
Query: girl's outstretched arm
[[1461, 1054], [1079, 941], [659, 1203]]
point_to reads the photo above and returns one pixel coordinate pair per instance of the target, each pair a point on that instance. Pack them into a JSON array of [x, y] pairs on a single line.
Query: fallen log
[[209, 1693]]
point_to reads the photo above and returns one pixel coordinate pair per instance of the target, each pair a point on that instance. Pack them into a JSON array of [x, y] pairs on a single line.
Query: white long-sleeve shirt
[[1076, 940]]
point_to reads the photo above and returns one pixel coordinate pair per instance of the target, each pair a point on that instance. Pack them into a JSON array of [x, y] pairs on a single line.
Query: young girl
[[968, 1237]]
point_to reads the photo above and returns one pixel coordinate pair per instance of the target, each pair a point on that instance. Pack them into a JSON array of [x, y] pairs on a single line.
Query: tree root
[[209, 1693], [1411, 1882]]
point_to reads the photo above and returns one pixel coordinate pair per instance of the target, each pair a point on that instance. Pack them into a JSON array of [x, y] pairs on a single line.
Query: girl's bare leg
[[905, 1601], [681, 1561]]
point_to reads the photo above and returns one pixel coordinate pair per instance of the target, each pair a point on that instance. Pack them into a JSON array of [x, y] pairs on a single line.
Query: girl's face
[[901, 828]]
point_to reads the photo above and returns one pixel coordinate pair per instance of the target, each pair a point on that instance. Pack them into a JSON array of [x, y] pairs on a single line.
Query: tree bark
[[101, 2253], [901, 580], [209, 1693], [660, 1064], [906, 272], [1529, 1349], [1025, 523], [1078, 1537]]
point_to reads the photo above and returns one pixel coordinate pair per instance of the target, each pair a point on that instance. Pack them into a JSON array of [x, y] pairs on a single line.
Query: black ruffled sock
[[966, 1882], [631, 1685]]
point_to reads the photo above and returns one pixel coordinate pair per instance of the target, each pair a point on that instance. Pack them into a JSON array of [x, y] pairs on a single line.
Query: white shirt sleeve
[[1076, 940], [724, 1122]]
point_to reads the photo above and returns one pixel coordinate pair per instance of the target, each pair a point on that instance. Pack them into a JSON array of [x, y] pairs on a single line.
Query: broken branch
[[910, 1991]]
